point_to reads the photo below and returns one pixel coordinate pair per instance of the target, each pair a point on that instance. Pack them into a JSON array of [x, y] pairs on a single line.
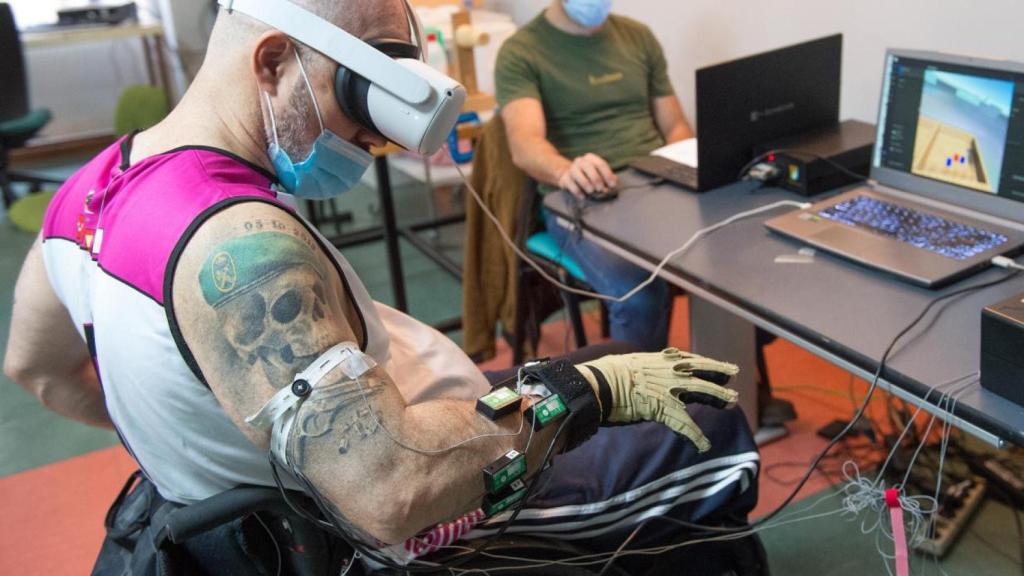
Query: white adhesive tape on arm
[[346, 355]]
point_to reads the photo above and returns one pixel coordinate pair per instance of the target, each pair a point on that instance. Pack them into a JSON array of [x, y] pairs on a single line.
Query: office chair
[[533, 239], [240, 503], [17, 122]]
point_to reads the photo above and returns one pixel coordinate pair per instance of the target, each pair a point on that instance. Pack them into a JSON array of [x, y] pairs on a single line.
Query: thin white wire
[[351, 563], [1008, 263], [591, 559], [863, 494], [654, 274], [920, 407], [912, 504]]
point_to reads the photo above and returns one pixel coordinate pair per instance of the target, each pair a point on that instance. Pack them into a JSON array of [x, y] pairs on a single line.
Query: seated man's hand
[[657, 386], [588, 174]]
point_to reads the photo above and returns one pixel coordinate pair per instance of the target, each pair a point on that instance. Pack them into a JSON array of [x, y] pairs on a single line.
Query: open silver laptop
[[946, 192]]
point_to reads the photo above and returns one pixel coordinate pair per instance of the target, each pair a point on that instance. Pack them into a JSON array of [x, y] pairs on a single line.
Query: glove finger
[[677, 419], [700, 363], [706, 393], [673, 354], [714, 377]]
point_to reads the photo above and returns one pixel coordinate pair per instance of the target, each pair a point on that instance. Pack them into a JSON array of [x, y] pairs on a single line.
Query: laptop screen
[[957, 124]]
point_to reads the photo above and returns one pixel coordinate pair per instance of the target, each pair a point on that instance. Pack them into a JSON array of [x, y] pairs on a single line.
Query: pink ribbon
[[899, 532]]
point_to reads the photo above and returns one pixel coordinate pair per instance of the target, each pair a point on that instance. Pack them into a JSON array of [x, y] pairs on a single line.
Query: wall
[[694, 33], [698, 33], [80, 83], [189, 23]]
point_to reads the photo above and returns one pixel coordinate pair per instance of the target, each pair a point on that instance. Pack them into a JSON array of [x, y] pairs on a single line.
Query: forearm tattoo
[[334, 420]]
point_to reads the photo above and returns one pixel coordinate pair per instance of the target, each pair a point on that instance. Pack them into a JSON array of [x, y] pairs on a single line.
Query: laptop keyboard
[[934, 233], [664, 168]]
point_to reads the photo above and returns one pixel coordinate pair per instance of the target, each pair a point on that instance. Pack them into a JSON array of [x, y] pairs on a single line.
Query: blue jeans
[[643, 319]]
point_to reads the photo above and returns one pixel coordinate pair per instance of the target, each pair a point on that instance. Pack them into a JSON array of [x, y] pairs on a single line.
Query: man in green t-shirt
[[583, 93]]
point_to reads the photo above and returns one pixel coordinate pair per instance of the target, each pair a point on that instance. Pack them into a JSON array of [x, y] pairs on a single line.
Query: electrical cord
[[725, 532], [1007, 263], [874, 383], [377, 556], [860, 411], [604, 557], [700, 234]]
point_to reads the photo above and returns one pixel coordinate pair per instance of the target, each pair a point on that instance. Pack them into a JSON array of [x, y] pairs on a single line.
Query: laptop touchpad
[[853, 241]]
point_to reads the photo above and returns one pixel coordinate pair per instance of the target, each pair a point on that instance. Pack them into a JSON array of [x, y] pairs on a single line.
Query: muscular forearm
[[388, 472], [77, 396]]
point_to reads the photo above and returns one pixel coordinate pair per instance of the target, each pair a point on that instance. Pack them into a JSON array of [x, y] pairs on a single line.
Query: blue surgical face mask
[[334, 165], [588, 13]]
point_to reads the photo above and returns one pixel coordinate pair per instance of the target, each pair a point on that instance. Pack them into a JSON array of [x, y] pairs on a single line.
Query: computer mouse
[[609, 194]]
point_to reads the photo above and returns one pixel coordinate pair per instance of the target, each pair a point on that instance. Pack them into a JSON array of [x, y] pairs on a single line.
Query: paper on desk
[[683, 152]]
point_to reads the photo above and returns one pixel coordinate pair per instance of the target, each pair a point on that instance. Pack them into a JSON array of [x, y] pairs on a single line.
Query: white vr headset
[[386, 87]]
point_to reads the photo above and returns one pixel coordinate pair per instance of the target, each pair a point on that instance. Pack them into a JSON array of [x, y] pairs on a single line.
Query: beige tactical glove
[[657, 386]]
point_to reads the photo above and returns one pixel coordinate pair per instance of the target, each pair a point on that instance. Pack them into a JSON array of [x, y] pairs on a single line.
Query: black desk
[[840, 311]]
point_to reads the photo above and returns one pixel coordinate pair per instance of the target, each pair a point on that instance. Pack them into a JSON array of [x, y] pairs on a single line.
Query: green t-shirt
[[596, 90]]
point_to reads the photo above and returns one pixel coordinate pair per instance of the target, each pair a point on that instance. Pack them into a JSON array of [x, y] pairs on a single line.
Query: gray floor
[[835, 546]]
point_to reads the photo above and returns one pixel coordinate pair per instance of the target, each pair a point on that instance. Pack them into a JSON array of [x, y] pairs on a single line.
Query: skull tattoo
[[275, 325]]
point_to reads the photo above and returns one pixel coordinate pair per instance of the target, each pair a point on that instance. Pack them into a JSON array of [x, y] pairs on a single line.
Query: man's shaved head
[[251, 77], [366, 19]]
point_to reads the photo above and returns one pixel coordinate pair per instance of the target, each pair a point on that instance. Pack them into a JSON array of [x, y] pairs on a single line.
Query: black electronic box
[[97, 14], [1002, 349], [810, 163]]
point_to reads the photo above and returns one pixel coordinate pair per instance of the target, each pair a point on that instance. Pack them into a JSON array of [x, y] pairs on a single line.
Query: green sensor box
[[548, 410], [503, 471], [496, 504], [500, 402]]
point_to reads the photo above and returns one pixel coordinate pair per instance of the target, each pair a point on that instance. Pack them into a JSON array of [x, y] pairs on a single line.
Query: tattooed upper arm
[[256, 301]]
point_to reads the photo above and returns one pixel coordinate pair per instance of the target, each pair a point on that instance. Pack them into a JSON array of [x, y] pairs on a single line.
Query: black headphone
[[352, 90]]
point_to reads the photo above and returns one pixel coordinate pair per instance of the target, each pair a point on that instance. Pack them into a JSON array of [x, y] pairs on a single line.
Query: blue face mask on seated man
[[334, 165], [588, 13]]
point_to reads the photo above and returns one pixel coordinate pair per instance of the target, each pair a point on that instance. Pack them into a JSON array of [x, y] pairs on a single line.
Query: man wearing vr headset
[[222, 326], [583, 93]]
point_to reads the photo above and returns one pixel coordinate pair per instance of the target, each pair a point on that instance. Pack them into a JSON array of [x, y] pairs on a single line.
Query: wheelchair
[[259, 512], [254, 530]]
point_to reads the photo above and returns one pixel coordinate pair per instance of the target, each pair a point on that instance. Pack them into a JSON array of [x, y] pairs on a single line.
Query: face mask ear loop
[[309, 87], [273, 121]]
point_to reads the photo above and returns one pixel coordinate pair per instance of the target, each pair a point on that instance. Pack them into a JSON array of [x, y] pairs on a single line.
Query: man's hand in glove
[[658, 386]]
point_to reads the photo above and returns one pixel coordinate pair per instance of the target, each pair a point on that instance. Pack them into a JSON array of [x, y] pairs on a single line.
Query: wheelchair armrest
[[195, 519]]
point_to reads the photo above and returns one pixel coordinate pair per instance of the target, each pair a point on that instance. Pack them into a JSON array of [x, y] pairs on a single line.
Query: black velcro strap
[[604, 393], [562, 378]]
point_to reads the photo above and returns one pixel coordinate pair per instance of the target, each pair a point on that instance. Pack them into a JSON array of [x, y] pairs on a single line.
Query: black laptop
[[747, 102], [946, 193]]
